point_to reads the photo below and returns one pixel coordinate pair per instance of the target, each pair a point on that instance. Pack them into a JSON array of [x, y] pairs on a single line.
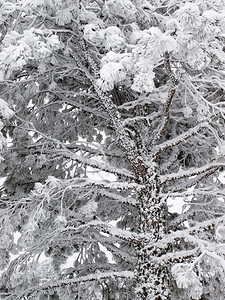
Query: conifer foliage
[[111, 112]]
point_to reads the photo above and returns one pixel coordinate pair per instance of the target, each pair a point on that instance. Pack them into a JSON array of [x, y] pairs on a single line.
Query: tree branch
[[179, 139], [121, 234], [188, 234], [191, 172], [68, 282], [191, 182], [94, 164], [172, 90], [72, 103], [178, 256]]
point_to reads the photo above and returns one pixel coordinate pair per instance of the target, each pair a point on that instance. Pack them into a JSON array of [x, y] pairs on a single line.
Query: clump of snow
[[220, 233], [122, 8], [110, 74], [186, 278], [113, 39], [146, 50], [20, 49], [53, 182], [89, 209], [60, 221], [94, 34]]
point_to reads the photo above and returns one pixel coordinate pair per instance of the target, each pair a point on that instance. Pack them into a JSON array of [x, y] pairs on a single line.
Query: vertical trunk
[[152, 278]]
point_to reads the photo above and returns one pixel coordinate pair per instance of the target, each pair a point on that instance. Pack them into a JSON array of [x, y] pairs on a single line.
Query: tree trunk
[[152, 278]]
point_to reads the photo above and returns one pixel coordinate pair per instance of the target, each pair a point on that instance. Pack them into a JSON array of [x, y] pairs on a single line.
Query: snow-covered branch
[[104, 184], [184, 185], [191, 172], [121, 199], [189, 233], [180, 138], [73, 281], [77, 104], [128, 145], [94, 163], [171, 93], [200, 191], [62, 149], [107, 228], [122, 254], [178, 256]]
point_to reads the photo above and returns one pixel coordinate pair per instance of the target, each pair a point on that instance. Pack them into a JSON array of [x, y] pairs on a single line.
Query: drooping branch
[[213, 191], [91, 148], [79, 105], [62, 149]]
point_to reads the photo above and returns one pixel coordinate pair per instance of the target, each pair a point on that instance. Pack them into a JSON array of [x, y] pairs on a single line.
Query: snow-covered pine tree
[[111, 111]]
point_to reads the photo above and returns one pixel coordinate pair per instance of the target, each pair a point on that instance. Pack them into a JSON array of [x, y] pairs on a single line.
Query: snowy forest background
[[111, 111]]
